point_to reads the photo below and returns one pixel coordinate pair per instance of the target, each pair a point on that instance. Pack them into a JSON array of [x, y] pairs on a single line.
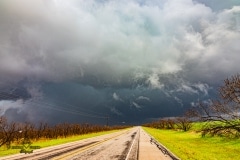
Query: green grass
[[190, 145], [46, 143], [197, 126]]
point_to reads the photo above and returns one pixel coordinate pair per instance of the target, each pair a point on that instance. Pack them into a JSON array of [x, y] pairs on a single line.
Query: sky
[[133, 61]]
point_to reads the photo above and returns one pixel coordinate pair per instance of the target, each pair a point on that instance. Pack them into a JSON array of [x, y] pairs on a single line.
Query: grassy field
[[190, 145], [46, 143]]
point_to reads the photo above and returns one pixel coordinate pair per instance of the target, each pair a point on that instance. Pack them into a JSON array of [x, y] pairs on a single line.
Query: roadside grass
[[191, 145], [47, 143]]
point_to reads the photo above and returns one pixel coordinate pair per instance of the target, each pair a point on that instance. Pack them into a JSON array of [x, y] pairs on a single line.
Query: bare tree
[[223, 115], [7, 132], [26, 132], [183, 123]]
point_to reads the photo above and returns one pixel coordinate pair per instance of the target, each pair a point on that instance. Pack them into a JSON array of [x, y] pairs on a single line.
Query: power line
[[70, 105], [50, 106], [65, 104], [79, 108]]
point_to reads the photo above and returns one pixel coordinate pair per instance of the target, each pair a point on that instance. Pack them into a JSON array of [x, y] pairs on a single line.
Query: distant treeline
[[182, 123], [15, 132]]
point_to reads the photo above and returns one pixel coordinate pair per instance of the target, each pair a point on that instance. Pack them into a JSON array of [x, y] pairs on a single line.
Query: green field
[[191, 145], [46, 143]]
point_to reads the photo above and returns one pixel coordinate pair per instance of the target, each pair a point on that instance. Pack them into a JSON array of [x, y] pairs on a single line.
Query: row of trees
[[182, 123], [219, 117], [16, 132]]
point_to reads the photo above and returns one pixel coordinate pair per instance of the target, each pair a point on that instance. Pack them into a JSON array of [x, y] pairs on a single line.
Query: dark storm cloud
[[132, 56]]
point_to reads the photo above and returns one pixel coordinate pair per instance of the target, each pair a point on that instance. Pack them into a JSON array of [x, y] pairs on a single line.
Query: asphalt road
[[131, 144]]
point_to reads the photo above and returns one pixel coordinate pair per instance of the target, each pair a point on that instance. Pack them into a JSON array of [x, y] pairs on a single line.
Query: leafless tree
[[164, 123], [222, 116], [169, 124], [7, 132], [17, 132], [183, 123]]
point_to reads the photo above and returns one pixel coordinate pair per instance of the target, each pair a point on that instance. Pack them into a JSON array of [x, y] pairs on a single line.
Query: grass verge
[[47, 143], [190, 145]]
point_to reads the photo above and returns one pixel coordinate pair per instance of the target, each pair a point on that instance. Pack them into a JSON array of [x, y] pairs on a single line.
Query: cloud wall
[[131, 53], [112, 40]]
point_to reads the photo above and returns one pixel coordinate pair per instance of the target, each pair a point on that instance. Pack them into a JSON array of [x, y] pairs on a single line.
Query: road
[[131, 144]]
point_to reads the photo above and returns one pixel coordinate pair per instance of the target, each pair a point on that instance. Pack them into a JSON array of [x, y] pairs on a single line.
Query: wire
[[70, 105], [50, 106], [65, 104]]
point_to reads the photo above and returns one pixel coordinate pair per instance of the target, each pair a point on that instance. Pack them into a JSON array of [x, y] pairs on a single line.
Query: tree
[[7, 132], [183, 123], [223, 115]]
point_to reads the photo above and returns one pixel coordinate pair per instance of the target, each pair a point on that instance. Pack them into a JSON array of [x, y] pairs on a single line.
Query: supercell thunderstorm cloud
[[130, 60]]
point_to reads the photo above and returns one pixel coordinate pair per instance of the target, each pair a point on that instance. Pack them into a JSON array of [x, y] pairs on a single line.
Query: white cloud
[[143, 98], [178, 100], [193, 104], [186, 86], [153, 82], [113, 40], [116, 97], [10, 104], [136, 105], [187, 89], [202, 87]]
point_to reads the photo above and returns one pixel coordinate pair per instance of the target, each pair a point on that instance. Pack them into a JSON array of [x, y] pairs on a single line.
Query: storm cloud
[[129, 58]]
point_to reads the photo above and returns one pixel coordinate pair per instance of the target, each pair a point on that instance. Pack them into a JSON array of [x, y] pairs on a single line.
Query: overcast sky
[[131, 60]]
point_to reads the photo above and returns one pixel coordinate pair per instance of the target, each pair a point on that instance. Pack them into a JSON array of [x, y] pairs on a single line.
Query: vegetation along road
[[131, 144]]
